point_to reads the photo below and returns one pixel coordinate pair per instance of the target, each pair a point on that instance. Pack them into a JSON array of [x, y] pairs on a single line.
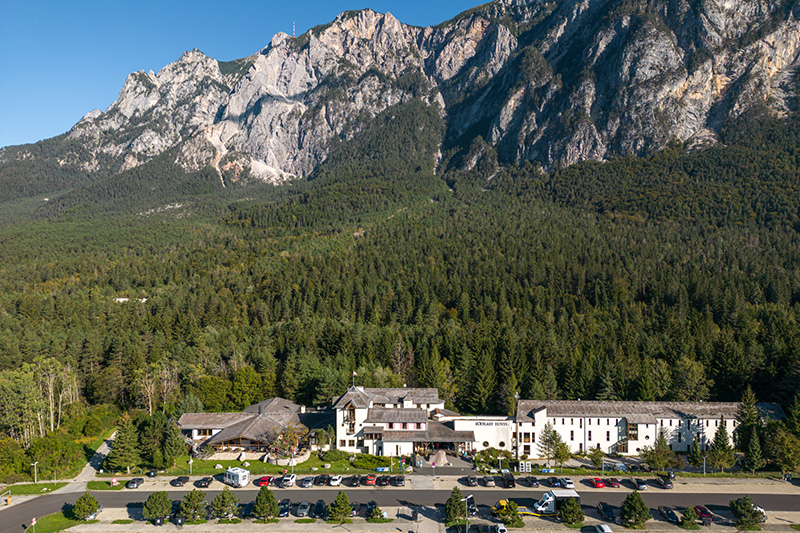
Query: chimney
[[260, 409]]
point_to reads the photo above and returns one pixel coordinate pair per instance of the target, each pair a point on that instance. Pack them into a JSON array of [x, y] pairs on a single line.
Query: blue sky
[[61, 59]]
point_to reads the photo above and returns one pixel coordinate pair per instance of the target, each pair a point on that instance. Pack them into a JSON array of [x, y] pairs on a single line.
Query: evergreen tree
[[659, 456], [189, 404], [562, 454], [158, 505], [645, 392], [507, 395], [225, 504], [596, 455], [174, 444], [193, 506], [782, 447], [571, 512], [745, 513], [634, 510], [748, 418], [483, 384], [695, 456], [510, 515], [377, 514], [340, 508], [607, 389], [151, 435], [454, 508], [720, 454], [124, 452], [86, 506], [550, 383], [265, 506], [753, 458], [793, 417], [690, 518], [549, 442]]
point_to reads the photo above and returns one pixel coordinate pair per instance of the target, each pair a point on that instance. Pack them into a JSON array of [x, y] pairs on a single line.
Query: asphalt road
[[16, 518]]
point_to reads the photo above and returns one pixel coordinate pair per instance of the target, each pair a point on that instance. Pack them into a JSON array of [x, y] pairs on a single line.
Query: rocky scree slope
[[554, 82]]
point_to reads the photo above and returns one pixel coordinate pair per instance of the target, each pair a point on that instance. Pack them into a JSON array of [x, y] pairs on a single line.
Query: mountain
[[551, 82]]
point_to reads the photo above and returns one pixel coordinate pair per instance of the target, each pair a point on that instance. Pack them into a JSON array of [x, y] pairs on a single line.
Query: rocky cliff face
[[554, 82]]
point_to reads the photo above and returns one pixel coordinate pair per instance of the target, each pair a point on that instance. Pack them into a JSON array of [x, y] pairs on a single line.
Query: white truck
[[237, 477], [551, 501]]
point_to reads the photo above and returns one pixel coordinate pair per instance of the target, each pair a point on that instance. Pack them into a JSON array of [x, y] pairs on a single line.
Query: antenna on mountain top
[[294, 35]]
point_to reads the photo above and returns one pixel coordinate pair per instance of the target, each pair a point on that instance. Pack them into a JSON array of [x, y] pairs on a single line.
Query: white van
[[237, 477]]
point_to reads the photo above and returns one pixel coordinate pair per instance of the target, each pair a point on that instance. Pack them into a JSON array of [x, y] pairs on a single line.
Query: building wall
[[490, 432]]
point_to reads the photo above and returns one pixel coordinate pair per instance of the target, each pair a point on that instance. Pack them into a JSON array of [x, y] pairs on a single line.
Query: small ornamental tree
[[571, 512], [562, 454], [510, 515], [266, 506], [454, 508], [635, 511], [690, 518], [158, 505], [86, 506], [225, 504], [193, 506], [548, 443], [659, 456], [745, 513], [339, 509], [377, 514], [596, 456]]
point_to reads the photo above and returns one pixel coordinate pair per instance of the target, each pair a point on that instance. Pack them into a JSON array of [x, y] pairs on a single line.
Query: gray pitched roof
[[258, 428], [637, 412], [211, 420], [378, 415], [361, 396], [274, 406], [436, 432]]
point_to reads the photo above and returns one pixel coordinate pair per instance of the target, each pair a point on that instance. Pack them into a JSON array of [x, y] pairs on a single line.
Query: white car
[[602, 528], [288, 480], [567, 483], [336, 481]]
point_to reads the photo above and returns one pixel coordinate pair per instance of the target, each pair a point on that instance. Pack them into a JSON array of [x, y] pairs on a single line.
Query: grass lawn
[[576, 525], [103, 485], [123, 521], [305, 520], [796, 527], [379, 520], [34, 488], [58, 522], [266, 521]]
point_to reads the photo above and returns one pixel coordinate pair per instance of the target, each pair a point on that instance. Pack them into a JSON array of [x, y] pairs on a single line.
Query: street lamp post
[[466, 512], [190, 465], [35, 473]]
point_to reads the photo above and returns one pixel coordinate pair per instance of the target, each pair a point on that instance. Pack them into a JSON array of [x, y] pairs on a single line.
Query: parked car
[[498, 528], [471, 507], [664, 482], [669, 514], [284, 507], [371, 507], [94, 514], [246, 510], [135, 483], [554, 482], [488, 481], [288, 480], [355, 509], [355, 481], [307, 482], [601, 528], [613, 483], [322, 480], [606, 511], [264, 481], [639, 484], [567, 483], [703, 512], [152, 473], [472, 481], [400, 481], [383, 481], [180, 481], [303, 508], [532, 481], [757, 508], [508, 480], [336, 481], [597, 483], [319, 509], [205, 482], [370, 480]]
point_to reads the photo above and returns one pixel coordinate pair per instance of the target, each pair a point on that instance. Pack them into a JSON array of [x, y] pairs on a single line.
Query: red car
[[597, 483], [703, 513], [264, 481], [370, 480], [613, 482]]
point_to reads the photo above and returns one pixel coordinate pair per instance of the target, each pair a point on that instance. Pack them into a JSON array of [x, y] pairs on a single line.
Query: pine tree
[[193, 506], [151, 436], [607, 389], [507, 395], [158, 505], [340, 508], [86, 506], [483, 384], [753, 458], [550, 383], [720, 454], [174, 444], [659, 456], [695, 456], [749, 420], [745, 512], [189, 404], [454, 508], [548, 443], [225, 504], [690, 518], [634, 510], [571, 512], [645, 392], [793, 417], [124, 452], [265, 506]]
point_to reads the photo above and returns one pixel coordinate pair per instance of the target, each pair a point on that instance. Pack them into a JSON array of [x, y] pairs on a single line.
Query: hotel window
[[562, 421], [205, 433], [608, 421], [405, 425], [598, 421], [590, 435], [391, 425], [633, 431], [680, 437], [608, 436], [580, 422], [670, 423], [342, 443], [351, 443], [571, 435], [588, 421]]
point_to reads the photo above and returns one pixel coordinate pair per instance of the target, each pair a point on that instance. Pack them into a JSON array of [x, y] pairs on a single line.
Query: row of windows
[[616, 422], [405, 425], [589, 436], [343, 443]]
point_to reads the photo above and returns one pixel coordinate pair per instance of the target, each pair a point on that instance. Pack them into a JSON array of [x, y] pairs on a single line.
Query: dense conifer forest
[[670, 277]]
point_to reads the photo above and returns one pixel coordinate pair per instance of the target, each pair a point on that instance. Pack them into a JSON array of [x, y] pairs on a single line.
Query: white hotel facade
[[395, 422]]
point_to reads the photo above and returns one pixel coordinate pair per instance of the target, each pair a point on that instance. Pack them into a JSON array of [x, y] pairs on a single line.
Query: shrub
[[571, 512], [370, 462], [85, 506], [331, 456]]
